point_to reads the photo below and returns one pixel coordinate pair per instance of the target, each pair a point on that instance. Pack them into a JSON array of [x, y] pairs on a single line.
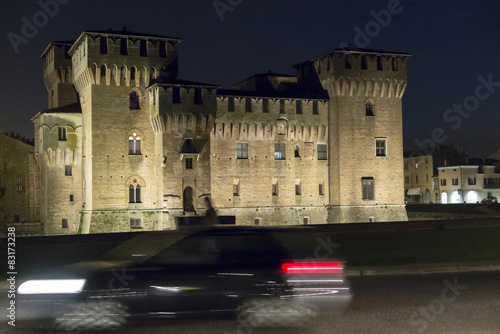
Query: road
[[445, 303]]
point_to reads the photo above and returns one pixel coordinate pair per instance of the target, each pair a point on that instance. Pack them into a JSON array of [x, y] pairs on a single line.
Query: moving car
[[489, 200], [272, 276]]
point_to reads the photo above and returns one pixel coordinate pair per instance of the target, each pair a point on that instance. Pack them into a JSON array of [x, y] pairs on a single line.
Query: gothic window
[[134, 193], [134, 144], [134, 100]]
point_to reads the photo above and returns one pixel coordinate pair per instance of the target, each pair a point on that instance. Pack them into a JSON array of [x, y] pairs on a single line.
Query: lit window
[[368, 188], [242, 150], [279, 151], [62, 133], [322, 152], [68, 170], [134, 144], [416, 165]]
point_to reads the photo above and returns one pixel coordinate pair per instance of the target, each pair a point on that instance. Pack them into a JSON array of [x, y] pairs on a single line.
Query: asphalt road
[[444, 303]]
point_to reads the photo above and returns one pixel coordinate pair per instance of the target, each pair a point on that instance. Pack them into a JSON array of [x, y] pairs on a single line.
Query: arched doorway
[[427, 197], [187, 199]]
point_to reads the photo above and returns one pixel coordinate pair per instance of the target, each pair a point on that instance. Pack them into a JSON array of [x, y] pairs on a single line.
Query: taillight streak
[[311, 268]]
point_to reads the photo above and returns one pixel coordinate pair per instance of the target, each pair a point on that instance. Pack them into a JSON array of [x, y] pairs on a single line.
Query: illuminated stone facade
[[146, 148]]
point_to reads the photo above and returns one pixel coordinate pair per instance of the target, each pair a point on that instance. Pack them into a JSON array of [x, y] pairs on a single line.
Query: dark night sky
[[452, 43]]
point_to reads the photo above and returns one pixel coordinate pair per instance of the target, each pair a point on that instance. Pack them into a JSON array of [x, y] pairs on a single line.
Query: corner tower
[[365, 133]]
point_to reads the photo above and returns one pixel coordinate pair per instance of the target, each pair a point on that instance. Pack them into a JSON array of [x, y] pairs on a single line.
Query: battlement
[[60, 158]]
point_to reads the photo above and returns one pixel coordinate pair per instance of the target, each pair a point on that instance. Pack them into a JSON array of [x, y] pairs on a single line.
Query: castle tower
[[58, 143], [365, 132], [111, 73]]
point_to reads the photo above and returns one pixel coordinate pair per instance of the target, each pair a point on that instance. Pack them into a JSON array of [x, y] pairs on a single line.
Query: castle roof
[[58, 44], [73, 108], [120, 33]]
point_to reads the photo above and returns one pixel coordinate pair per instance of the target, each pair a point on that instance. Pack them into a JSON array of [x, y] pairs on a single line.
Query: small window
[[132, 73], [443, 182], [322, 152], [236, 188], [298, 106], [282, 107], [364, 65], [134, 100], [265, 106], [135, 222], [368, 188], [298, 190], [348, 62], [242, 150], [248, 104], [65, 223], [275, 187], [379, 64], [315, 108], [258, 221], [19, 184], [416, 165], [176, 94], [230, 104], [426, 163], [416, 178], [427, 178], [369, 108], [381, 147], [71, 198], [395, 66], [297, 151], [321, 189], [144, 48], [454, 181], [104, 45], [198, 99], [305, 220], [123, 47], [472, 181], [62, 133], [189, 163], [103, 70], [279, 151], [68, 170]]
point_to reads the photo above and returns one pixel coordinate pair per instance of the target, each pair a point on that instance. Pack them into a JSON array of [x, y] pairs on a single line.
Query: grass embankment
[[420, 247]]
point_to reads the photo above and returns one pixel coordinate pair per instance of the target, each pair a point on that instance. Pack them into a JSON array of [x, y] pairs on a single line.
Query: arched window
[[135, 186], [134, 144], [134, 100], [370, 108]]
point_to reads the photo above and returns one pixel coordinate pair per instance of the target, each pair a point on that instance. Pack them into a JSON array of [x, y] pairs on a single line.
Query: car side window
[[191, 250]]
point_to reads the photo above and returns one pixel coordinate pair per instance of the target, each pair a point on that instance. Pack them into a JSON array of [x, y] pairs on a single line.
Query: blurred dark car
[[266, 276], [489, 200]]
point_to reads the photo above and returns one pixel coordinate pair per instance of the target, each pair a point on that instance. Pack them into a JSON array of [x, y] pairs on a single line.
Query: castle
[[125, 144]]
